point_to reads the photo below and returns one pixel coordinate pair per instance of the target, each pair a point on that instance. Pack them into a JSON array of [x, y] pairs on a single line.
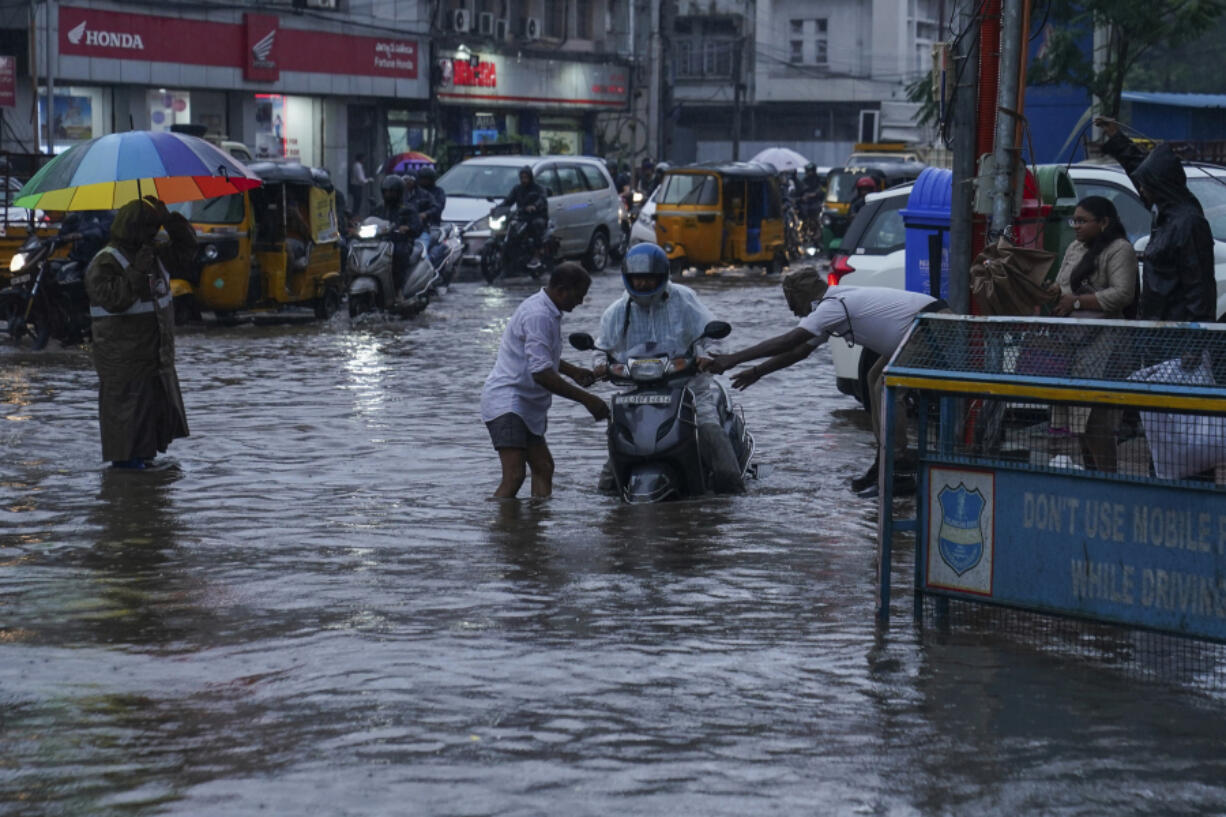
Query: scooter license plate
[[646, 399], [18, 280]]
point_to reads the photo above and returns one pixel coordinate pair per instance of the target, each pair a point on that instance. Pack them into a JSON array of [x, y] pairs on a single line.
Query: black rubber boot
[[606, 484], [719, 457]]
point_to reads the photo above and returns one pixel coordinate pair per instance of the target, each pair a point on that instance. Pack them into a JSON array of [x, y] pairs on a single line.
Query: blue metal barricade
[[1065, 467]]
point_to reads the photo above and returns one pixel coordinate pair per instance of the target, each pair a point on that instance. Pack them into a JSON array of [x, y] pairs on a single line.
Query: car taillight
[[838, 268]]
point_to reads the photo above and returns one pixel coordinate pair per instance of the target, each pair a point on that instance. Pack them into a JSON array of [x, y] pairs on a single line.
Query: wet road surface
[[319, 612]]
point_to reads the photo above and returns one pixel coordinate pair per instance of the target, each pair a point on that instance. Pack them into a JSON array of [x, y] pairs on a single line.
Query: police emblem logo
[[960, 536]]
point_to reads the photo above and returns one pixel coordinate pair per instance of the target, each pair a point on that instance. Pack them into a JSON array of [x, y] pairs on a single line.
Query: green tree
[[1131, 29]]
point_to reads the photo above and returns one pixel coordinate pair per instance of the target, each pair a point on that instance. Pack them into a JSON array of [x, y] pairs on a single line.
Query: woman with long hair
[[1097, 279]]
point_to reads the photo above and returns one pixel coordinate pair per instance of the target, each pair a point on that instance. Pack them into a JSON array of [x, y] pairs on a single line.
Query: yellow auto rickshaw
[[841, 186], [275, 246], [721, 214]]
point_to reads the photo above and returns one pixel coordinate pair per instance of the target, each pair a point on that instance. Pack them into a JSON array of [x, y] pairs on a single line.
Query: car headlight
[[647, 368], [497, 223], [368, 231], [209, 253], [19, 261]]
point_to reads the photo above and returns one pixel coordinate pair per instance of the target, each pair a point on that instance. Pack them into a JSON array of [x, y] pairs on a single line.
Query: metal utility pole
[[668, 74], [738, 92], [1005, 151], [50, 9], [962, 85]]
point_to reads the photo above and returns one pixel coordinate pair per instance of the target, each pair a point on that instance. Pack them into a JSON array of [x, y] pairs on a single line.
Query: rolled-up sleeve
[[1120, 265], [540, 343]]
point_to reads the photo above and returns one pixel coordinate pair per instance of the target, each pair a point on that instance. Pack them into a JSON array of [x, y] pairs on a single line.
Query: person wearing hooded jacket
[[530, 199], [1179, 281], [140, 407], [653, 309]]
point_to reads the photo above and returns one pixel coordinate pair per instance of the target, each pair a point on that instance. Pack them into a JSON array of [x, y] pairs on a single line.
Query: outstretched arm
[[777, 345], [747, 377]]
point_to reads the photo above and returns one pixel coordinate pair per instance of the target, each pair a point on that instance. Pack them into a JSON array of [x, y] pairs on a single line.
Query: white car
[[583, 202], [873, 252], [643, 230]]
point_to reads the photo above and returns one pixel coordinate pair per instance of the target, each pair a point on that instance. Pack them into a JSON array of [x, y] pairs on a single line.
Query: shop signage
[[8, 82], [259, 46], [508, 81]]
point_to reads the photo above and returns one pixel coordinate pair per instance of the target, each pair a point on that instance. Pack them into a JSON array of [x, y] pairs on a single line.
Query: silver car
[[583, 201]]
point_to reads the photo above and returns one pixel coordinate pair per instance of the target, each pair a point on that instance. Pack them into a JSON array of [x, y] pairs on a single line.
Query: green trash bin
[[1057, 191]]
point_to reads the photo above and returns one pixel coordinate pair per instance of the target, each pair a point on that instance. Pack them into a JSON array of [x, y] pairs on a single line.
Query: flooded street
[[320, 612]]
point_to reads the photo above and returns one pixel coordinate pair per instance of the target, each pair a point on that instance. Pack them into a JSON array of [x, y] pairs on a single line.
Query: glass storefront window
[[168, 108], [406, 131], [285, 127], [77, 115]]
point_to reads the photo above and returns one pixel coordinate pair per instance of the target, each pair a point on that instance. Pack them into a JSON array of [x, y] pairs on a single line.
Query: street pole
[[668, 72], [50, 82], [1004, 152], [737, 90], [965, 65]]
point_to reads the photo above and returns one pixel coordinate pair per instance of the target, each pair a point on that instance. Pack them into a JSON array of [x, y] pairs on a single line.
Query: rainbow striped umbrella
[[108, 172]]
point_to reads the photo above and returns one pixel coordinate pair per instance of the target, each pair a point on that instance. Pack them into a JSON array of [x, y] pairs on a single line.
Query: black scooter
[[653, 433], [510, 246], [45, 298]]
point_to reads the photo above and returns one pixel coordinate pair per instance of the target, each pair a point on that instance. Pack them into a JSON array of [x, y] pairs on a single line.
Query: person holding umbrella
[[140, 407], [128, 282]]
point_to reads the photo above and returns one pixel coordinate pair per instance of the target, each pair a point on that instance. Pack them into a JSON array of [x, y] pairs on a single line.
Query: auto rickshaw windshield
[[690, 188], [223, 210], [841, 186]]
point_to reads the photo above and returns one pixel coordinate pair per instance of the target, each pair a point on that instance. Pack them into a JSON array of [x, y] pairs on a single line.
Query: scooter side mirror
[[582, 341], [717, 330]]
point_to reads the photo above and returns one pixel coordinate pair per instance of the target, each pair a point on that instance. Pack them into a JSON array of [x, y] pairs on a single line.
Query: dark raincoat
[[140, 408], [1179, 283]]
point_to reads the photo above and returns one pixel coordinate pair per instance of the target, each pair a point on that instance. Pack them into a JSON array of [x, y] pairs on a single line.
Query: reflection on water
[[319, 611]]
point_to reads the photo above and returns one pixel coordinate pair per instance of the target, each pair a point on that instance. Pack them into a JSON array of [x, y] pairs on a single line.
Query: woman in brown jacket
[[140, 408], [1097, 279]]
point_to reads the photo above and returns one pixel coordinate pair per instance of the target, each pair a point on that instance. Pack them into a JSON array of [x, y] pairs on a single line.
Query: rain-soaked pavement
[[319, 611]]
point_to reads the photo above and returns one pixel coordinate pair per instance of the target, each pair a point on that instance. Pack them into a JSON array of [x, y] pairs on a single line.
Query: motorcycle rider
[[809, 190], [432, 200], [88, 230], [405, 225], [864, 186], [653, 309], [530, 199]]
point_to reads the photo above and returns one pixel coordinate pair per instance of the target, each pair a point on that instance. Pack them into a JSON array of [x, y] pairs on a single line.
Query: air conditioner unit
[[502, 29], [532, 28], [485, 24], [461, 20], [330, 5]]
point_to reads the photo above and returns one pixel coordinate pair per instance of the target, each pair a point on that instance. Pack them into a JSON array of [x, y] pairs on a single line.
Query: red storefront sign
[[8, 82], [249, 46]]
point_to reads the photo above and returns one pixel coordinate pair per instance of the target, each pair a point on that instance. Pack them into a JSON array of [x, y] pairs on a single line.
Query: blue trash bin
[[926, 218]]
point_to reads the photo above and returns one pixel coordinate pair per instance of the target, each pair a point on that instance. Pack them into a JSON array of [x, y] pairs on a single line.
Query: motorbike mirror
[[582, 341], [716, 330]]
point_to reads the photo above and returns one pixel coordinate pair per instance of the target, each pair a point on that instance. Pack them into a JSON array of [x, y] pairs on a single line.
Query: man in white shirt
[[875, 317], [528, 372]]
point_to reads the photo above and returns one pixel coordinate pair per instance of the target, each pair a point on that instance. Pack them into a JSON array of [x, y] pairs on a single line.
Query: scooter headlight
[[19, 261], [497, 223], [647, 368], [638, 196], [368, 231]]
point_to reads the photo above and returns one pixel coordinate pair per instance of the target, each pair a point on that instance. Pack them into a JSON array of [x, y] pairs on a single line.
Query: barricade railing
[[1065, 468]]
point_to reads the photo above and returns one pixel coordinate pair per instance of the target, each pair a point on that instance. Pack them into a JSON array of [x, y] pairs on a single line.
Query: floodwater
[[319, 612]]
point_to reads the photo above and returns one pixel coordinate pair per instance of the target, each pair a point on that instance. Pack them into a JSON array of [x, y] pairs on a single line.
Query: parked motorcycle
[[371, 279], [510, 246], [45, 298], [653, 432]]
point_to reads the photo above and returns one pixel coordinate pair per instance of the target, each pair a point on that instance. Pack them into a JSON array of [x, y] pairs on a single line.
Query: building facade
[[814, 75]]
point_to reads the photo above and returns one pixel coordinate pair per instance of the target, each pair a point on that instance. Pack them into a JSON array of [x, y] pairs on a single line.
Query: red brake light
[[838, 268]]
